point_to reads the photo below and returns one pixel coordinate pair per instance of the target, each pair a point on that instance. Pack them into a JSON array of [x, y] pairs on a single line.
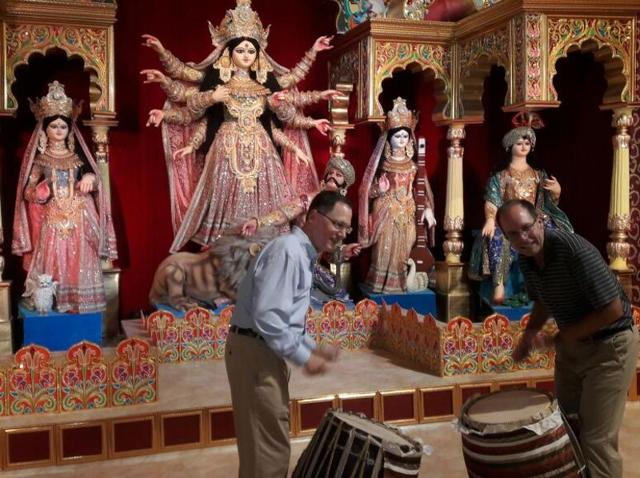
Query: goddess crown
[[523, 125], [55, 103], [242, 21], [400, 116]]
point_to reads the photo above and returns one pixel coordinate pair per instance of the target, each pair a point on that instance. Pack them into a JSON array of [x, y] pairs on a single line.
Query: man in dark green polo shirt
[[596, 346]]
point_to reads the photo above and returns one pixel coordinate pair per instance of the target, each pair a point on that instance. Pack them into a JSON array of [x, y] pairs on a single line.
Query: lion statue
[[185, 280]]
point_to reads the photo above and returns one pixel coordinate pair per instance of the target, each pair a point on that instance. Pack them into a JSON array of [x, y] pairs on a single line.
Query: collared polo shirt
[[574, 280]]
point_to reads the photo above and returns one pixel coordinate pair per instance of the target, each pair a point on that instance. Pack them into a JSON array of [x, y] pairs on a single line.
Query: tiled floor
[[445, 461]]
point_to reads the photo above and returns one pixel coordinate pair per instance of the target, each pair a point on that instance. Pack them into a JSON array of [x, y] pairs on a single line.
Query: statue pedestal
[[452, 291], [6, 341], [111, 316], [58, 331], [423, 301]]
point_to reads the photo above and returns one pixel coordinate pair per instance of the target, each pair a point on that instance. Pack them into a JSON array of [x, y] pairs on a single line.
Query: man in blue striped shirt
[[268, 328], [596, 346]]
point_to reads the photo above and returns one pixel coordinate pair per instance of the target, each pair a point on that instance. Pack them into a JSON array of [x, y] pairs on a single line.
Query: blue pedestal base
[[58, 331], [423, 302], [179, 314]]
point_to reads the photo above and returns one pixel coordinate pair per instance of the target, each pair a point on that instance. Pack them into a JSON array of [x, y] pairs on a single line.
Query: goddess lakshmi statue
[[514, 177], [62, 225], [222, 125], [390, 184]]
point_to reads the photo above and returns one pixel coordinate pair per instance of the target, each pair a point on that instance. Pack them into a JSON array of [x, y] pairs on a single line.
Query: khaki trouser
[[592, 379], [259, 381]]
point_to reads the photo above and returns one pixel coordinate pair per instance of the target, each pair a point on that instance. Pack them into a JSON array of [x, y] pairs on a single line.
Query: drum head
[[375, 429], [510, 407]]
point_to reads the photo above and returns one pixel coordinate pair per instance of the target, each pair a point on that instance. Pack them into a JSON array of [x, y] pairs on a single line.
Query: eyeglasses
[[339, 225], [525, 230]]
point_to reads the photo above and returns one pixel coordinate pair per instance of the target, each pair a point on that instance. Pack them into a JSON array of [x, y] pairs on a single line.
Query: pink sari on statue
[[68, 247]]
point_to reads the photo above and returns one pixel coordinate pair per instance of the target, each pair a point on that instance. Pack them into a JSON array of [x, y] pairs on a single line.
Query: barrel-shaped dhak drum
[[350, 445], [518, 433]]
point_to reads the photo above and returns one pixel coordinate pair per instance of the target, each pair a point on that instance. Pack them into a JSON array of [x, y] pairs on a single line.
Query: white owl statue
[[43, 294]]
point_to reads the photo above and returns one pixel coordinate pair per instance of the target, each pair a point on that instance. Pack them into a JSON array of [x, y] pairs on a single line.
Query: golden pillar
[[618, 221], [618, 248], [451, 287], [339, 113], [454, 208], [100, 134]]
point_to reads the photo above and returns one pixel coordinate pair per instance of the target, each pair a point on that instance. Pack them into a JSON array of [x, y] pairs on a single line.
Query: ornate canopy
[[526, 37]]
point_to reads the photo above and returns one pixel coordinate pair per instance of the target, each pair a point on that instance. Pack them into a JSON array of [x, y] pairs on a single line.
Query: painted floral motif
[[197, 335], [165, 335], [133, 374], [83, 378], [460, 348], [496, 344], [33, 382]]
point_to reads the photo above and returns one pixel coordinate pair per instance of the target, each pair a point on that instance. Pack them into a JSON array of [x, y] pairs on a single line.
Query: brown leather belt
[[246, 332]]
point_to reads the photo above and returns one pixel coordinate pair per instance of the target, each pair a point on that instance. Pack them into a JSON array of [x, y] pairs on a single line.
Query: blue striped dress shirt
[[274, 296]]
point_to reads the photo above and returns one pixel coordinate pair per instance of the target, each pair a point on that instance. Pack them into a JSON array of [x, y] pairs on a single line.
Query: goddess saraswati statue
[[223, 125], [62, 225], [516, 176], [389, 184]]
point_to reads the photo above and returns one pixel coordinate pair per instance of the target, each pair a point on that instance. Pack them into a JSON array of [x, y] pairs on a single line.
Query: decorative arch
[[88, 43], [439, 87], [391, 57], [477, 56], [472, 85], [610, 41]]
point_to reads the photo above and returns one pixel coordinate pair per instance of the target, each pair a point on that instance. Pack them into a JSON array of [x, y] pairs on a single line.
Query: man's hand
[[328, 352], [524, 346], [316, 364]]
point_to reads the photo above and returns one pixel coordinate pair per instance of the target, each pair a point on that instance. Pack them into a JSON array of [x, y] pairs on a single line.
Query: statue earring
[[225, 65], [262, 67], [409, 150], [387, 150], [42, 141], [71, 142]]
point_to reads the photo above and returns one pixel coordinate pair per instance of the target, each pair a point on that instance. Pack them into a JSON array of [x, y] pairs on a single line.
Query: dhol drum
[[348, 445], [518, 433]]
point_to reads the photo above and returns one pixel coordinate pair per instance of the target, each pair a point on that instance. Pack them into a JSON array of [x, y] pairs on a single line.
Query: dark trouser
[[592, 379], [259, 381]]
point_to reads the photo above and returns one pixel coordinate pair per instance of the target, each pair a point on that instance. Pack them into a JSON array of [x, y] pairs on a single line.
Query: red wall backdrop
[[575, 146]]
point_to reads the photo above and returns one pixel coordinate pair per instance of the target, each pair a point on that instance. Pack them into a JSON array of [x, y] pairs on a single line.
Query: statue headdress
[[242, 21], [55, 103], [344, 166], [523, 125], [400, 116]]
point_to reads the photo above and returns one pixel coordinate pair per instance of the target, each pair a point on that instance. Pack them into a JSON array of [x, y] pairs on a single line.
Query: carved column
[[339, 114], [100, 136], [454, 208], [618, 248], [451, 286], [618, 221]]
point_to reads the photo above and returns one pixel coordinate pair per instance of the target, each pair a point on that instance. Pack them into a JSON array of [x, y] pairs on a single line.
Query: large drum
[[348, 445], [518, 433]]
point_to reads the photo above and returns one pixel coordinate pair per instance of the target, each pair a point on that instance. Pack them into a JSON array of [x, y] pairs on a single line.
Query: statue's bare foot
[[183, 304], [221, 301], [498, 294]]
